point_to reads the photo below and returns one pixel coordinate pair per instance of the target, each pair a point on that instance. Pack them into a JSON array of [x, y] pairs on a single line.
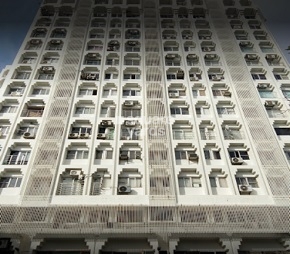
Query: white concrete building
[[133, 126]]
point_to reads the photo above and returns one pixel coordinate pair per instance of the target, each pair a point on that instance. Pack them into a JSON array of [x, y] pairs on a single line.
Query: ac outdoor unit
[[270, 104], [227, 93], [129, 103], [28, 135], [262, 86], [101, 136], [124, 189], [84, 135], [237, 161], [245, 188], [124, 157], [73, 135], [130, 123], [75, 172], [173, 94], [193, 157], [106, 123], [47, 69]]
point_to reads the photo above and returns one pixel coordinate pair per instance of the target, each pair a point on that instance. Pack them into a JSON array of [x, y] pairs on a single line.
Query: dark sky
[[15, 21]]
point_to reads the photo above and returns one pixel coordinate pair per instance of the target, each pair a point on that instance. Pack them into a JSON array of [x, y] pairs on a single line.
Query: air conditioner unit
[[129, 103], [3, 243], [55, 42], [193, 157], [245, 43], [206, 49], [113, 43], [41, 30], [237, 161], [210, 56], [101, 136], [47, 69], [124, 189], [171, 56], [192, 56], [15, 94], [106, 123], [91, 76], [132, 43], [35, 42], [270, 104], [25, 61], [138, 157], [130, 123], [193, 79], [216, 78], [73, 135], [84, 135], [28, 135], [271, 56], [245, 188], [262, 86], [124, 157], [75, 172], [227, 93], [251, 57], [173, 95], [92, 55]]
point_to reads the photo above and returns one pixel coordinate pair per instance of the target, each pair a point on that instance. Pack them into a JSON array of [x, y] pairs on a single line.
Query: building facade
[[133, 126]]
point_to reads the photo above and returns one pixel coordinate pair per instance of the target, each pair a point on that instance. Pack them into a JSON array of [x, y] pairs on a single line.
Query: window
[[189, 181], [4, 130], [40, 91], [201, 110], [17, 158], [225, 111], [130, 134], [179, 111], [88, 91], [85, 110], [104, 154], [182, 155], [198, 92], [45, 76], [216, 182], [99, 183], [266, 94], [109, 91], [239, 154], [131, 112], [132, 181], [211, 154], [182, 134], [70, 186], [257, 76], [22, 75], [282, 131], [10, 182], [131, 92], [107, 111], [131, 76], [80, 130], [132, 155], [247, 181], [77, 154], [8, 109]]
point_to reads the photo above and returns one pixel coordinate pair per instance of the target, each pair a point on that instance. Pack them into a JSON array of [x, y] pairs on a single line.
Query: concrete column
[[34, 244], [172, 245], [15, 244], [286, 243], [231, 245], [91, 243], [99, 243], [154, 244]]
